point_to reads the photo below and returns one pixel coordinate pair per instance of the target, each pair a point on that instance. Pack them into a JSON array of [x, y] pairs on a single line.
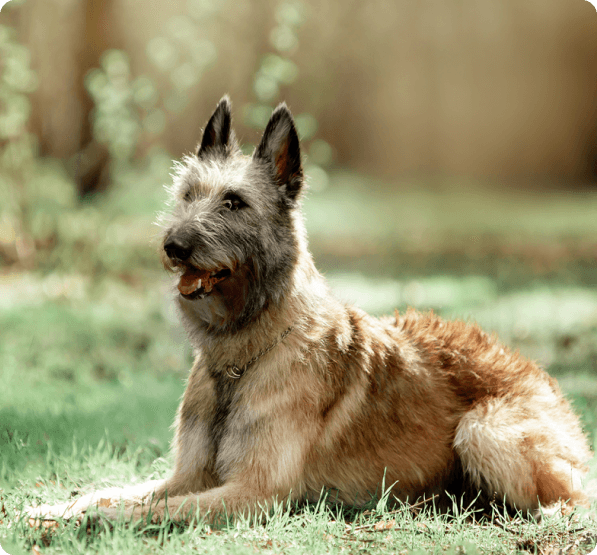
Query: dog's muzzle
[[177, 249]]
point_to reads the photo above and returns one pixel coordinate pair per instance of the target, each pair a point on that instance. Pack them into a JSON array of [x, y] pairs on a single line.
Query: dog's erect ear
[[218, 137], [280, 149]]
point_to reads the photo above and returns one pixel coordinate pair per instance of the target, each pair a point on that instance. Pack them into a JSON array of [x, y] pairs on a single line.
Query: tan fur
[[404, 400], [347, 400]]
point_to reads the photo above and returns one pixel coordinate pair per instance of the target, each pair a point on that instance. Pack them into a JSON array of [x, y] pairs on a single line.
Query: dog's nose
[[177, 249]]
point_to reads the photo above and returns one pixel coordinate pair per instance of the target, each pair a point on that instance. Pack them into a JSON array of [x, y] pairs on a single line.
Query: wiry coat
[[344, 400]]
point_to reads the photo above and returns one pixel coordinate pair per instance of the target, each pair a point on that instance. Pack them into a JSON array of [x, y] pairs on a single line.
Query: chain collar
[[236, 372]]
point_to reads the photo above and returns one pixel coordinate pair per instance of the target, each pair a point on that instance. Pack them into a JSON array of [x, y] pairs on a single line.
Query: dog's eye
[[188, 197], [233, 202]]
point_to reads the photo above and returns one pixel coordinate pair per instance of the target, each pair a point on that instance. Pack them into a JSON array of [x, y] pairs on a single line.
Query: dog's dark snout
[[177, 248]]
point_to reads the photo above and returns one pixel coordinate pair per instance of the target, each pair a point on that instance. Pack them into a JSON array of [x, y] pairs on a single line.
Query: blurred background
[[450, 147]]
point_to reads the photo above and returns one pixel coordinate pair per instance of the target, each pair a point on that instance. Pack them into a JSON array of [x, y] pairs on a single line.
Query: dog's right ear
[[280, 150], [218, 137]]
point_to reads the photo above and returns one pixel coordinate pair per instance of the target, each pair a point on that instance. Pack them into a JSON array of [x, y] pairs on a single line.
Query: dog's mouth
[[196, 283]]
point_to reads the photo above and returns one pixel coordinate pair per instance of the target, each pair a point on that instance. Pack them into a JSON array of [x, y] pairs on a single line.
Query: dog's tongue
[[191, 280]]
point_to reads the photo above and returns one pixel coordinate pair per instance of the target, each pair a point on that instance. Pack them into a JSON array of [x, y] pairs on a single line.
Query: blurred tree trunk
[[66, 39]]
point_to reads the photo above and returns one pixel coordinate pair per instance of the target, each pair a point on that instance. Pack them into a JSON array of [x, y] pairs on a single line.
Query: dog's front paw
[[48, 516], [45, 516]]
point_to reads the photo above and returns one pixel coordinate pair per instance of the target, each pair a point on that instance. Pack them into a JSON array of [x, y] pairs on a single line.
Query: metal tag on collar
[[234, 372]]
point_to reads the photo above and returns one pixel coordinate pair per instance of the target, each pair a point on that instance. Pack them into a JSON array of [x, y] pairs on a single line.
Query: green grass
[[320, 528], [93, 362]]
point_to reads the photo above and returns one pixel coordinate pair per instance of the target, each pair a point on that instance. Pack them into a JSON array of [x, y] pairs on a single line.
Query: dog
[[293, 391]]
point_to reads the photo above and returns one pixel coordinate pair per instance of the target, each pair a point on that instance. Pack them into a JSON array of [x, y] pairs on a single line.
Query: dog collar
[[236, 372]]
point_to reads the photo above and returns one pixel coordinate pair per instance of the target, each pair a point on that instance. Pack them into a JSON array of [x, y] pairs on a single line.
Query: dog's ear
[[280, 149], [218, 137]]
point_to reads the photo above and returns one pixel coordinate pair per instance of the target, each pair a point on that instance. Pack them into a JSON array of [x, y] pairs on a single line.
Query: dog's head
[[231, 235]]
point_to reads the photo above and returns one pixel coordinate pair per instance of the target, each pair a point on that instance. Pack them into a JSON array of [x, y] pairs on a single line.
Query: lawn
[[93, 364]]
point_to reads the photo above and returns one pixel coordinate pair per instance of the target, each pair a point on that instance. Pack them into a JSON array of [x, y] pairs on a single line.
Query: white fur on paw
[[549, 511], [46, 516], [64, 511]]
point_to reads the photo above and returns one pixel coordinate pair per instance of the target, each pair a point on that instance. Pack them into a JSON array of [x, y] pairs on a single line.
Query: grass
[[93, 364], [321, 528]]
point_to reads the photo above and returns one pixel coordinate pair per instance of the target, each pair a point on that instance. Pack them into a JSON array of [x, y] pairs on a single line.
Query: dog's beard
[[232, 303]]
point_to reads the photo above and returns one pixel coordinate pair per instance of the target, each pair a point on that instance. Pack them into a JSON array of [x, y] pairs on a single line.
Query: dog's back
[[434, 405]]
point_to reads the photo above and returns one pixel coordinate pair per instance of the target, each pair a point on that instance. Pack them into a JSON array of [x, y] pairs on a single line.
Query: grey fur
[[257, 242]]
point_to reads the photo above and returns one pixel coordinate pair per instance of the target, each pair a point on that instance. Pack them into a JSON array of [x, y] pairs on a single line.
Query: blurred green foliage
[[116, 121], [17, 81], [130, 112], [277, 70], [44, 223], [33, 193]]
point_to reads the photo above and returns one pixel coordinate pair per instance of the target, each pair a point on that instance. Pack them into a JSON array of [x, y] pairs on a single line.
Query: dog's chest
[[225, 392], [231, 425], [212, 421]]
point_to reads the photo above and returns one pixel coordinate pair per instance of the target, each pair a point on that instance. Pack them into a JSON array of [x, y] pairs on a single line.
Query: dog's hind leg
[[529, 451]]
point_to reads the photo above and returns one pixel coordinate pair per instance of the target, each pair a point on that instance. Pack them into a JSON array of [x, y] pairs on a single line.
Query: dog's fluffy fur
[[345, 400]]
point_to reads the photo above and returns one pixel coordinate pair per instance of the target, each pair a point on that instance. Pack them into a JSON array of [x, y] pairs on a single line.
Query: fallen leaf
[[385, 525], [46, 523], [550, 550]]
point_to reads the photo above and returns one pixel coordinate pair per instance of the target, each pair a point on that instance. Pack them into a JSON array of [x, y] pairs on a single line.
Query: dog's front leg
[[110, 497], [145, 494], [231, 498], [191, 472], [270, 469]]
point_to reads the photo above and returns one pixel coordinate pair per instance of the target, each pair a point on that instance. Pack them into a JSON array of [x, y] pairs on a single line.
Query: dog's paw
[[47, 516], [50, 515]]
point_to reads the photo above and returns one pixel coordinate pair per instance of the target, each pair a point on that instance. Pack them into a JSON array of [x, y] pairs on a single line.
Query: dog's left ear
[[280, 149], [218, 137]]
